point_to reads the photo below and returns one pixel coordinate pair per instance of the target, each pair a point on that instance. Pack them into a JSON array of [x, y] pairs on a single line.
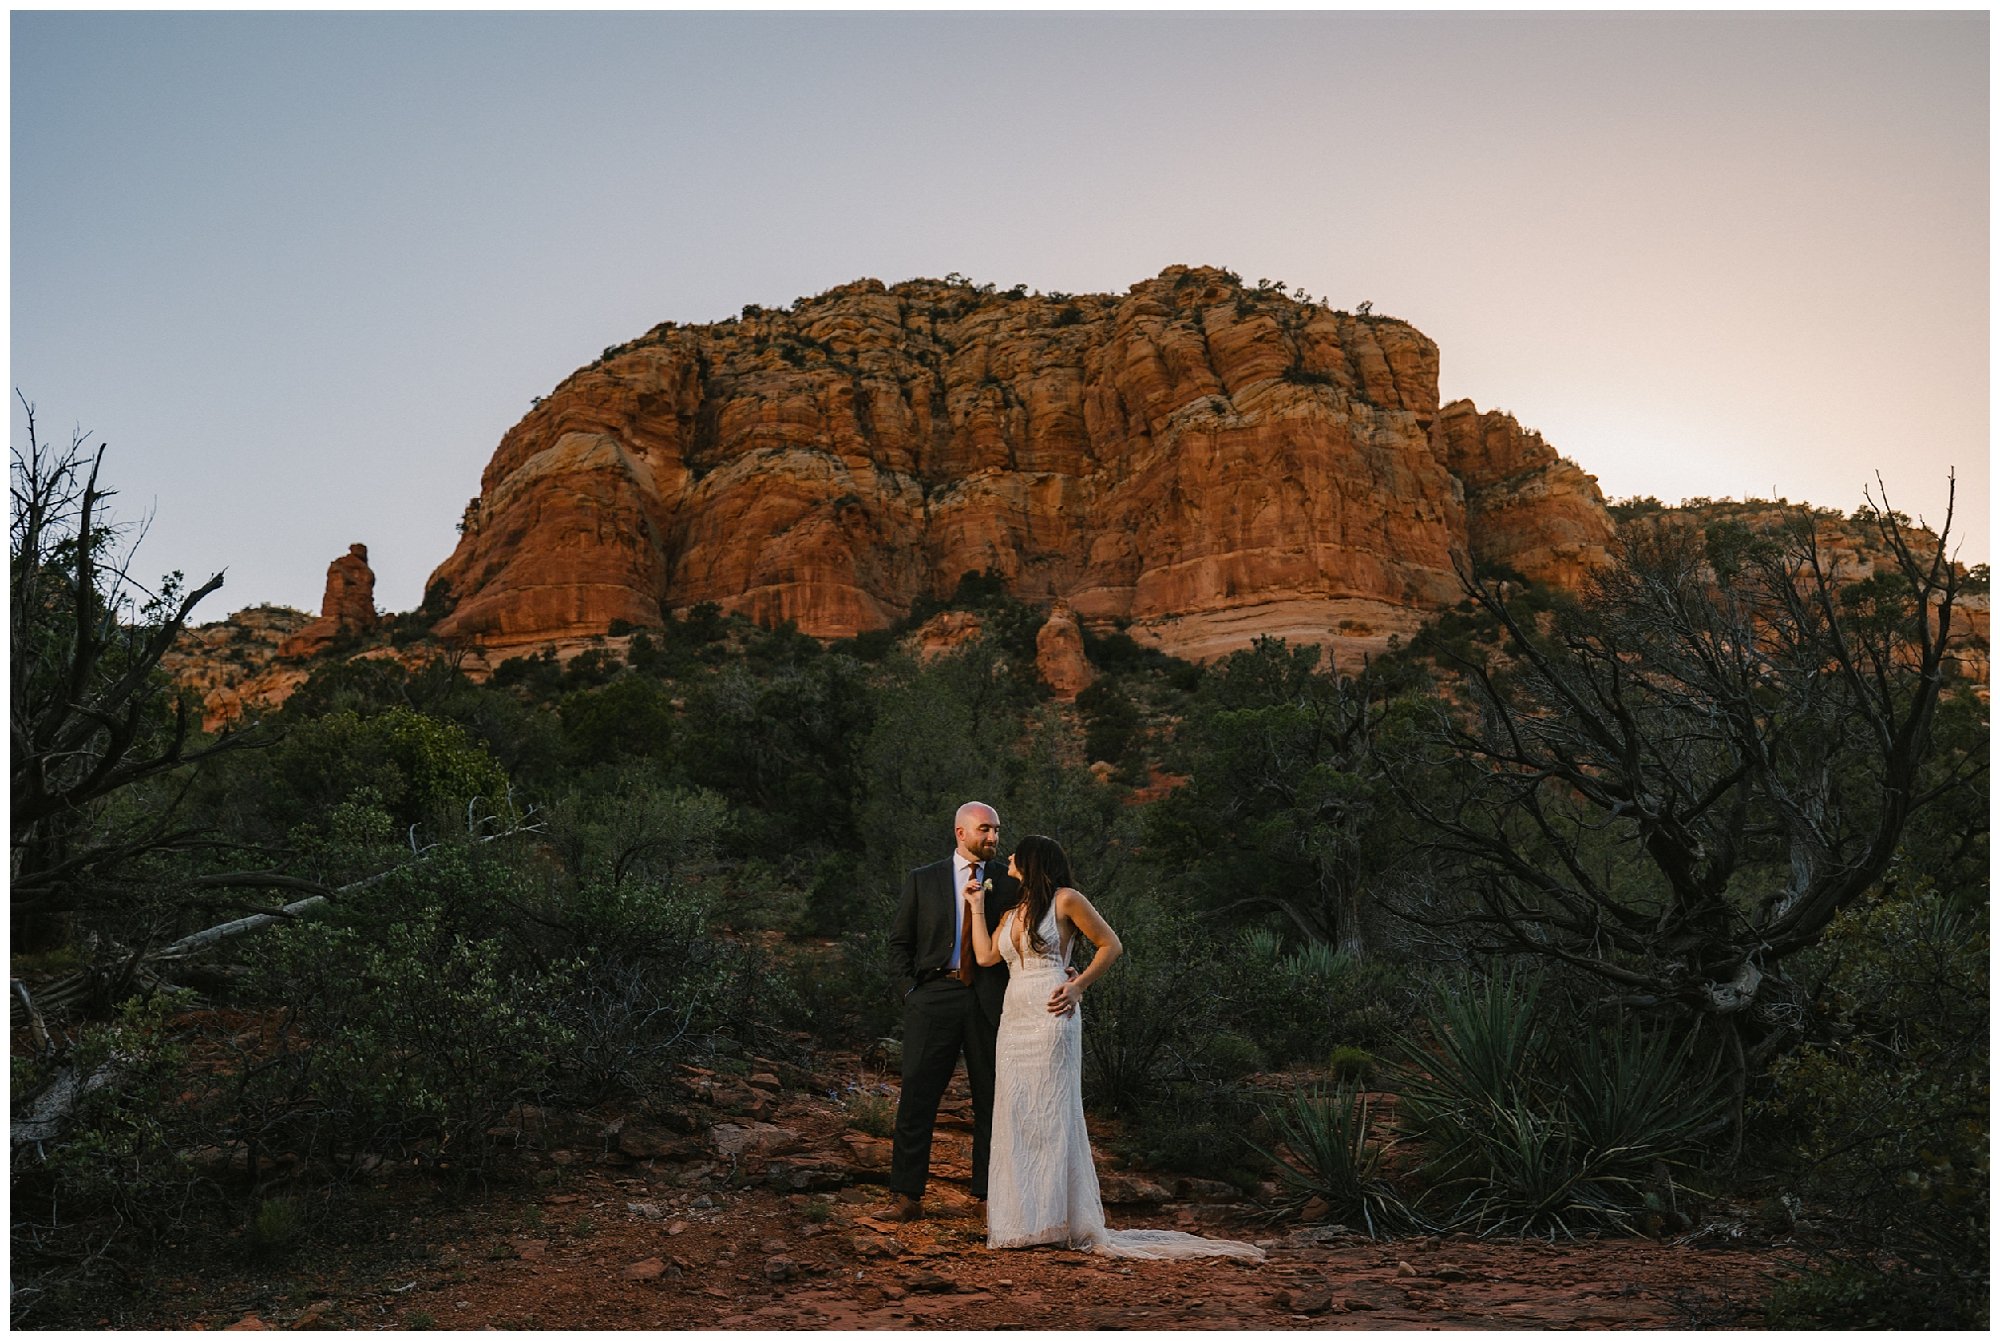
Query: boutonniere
[[986, 885]]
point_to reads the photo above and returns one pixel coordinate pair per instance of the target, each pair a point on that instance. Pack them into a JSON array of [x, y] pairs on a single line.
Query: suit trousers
[[942, 1020]]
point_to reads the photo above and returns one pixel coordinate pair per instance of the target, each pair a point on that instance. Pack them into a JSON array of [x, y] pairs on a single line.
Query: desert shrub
[[633, 715], [409, 1033], [361, 686], [1350, 1063], [278, 1222], [668, 653], [1145, 1020], [767, 649], [703, 623], [1297, 1004], [1194, 1127], [870, 646], [1327, 1148], [1884, 1118], [1537, 1121], [850, 995], [1285, 817], [1051, 791], [1116, 652], [653, 986], [785, 748], [1625, 509], [830, 897], [1112, 725], [590, 668], [92, 1200], [869, 1110], [909, 783], [633, 904], [1227, 1054], [423, 770], [540, 674]]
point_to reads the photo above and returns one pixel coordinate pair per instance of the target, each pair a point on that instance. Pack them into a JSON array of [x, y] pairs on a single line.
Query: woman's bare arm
[[1077, 909], [984, 949]]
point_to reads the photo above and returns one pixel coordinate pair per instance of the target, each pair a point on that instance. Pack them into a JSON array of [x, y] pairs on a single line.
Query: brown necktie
[[965, 933]]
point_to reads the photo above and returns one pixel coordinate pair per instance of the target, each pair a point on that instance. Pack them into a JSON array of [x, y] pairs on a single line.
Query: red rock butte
[[1207, 461]]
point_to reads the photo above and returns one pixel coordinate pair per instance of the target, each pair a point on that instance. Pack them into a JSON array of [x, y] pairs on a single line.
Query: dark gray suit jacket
[[920, 938]]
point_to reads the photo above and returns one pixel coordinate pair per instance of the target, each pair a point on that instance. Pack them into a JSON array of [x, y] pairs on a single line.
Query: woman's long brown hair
[[1044, 868]]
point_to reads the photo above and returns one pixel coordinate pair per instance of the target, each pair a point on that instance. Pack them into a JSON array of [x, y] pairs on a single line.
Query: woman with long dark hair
[[1041, 1181]]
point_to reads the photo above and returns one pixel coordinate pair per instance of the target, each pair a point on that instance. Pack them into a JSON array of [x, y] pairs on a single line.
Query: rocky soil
[[758, 1206]]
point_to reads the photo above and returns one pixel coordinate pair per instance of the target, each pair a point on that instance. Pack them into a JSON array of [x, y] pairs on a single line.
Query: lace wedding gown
[[1042, 1185]]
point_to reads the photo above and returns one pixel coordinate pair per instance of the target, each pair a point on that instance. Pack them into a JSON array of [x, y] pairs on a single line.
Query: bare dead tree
[[89, 712], [1678, 784]]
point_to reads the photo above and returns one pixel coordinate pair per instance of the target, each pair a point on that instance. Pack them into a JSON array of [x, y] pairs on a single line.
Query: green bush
[[1146, 1020], [851, 995], [410, 1039], [870, 1111], [1349, 1063], [1193, 1126], [1863, 1295], [1113, 727], [1884, 1119], [92, 1201], [1297, 1004], [423, 770], [632, 907], [632, 715], [277, 1225]]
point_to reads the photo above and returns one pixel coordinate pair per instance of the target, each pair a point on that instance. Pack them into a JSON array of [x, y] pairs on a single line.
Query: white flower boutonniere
[[986, 886]]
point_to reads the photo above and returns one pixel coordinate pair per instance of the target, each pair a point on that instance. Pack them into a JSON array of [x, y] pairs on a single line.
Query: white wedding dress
[[1041, 1183]]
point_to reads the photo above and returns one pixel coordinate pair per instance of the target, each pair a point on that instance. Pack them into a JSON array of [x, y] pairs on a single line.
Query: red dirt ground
[[627, 1223]]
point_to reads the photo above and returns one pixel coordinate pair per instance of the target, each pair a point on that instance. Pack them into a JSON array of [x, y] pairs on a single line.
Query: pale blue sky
[[302, 271]]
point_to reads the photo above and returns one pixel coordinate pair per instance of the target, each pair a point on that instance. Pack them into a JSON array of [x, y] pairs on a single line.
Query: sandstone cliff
[[223, 660], [1526, 507], [347, 606], [1208, 461]]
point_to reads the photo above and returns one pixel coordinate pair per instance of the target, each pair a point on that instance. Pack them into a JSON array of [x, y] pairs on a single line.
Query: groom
[[950, 1004]]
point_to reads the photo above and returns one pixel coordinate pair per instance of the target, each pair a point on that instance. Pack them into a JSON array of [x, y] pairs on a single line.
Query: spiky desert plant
[[1327, 1150]]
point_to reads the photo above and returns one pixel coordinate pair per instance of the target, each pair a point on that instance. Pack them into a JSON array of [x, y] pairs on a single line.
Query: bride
[[1042, 1185]]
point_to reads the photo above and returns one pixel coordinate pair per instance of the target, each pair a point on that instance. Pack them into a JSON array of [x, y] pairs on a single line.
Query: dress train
[[1042, 1183]]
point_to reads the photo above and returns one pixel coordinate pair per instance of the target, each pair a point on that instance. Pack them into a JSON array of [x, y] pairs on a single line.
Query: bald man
[[950, 1004]]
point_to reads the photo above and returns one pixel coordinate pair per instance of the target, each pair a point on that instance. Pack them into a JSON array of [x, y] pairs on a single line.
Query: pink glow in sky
[[301, 271]]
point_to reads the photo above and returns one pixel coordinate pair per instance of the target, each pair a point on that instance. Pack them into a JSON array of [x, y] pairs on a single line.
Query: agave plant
[[1330, 1154]]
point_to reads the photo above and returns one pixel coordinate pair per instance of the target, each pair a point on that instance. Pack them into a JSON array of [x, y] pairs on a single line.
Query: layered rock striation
[[226, 663], [1207, 461]]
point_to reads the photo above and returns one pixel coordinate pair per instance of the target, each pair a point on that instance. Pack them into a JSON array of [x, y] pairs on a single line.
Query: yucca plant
[[1488, 1036], [1632, 1095], [1536, 1129], [1263, 944], [1319, 963], [1329, 1153]]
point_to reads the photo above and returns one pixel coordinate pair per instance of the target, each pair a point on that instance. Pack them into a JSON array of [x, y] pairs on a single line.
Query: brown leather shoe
[[905, 1208]]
